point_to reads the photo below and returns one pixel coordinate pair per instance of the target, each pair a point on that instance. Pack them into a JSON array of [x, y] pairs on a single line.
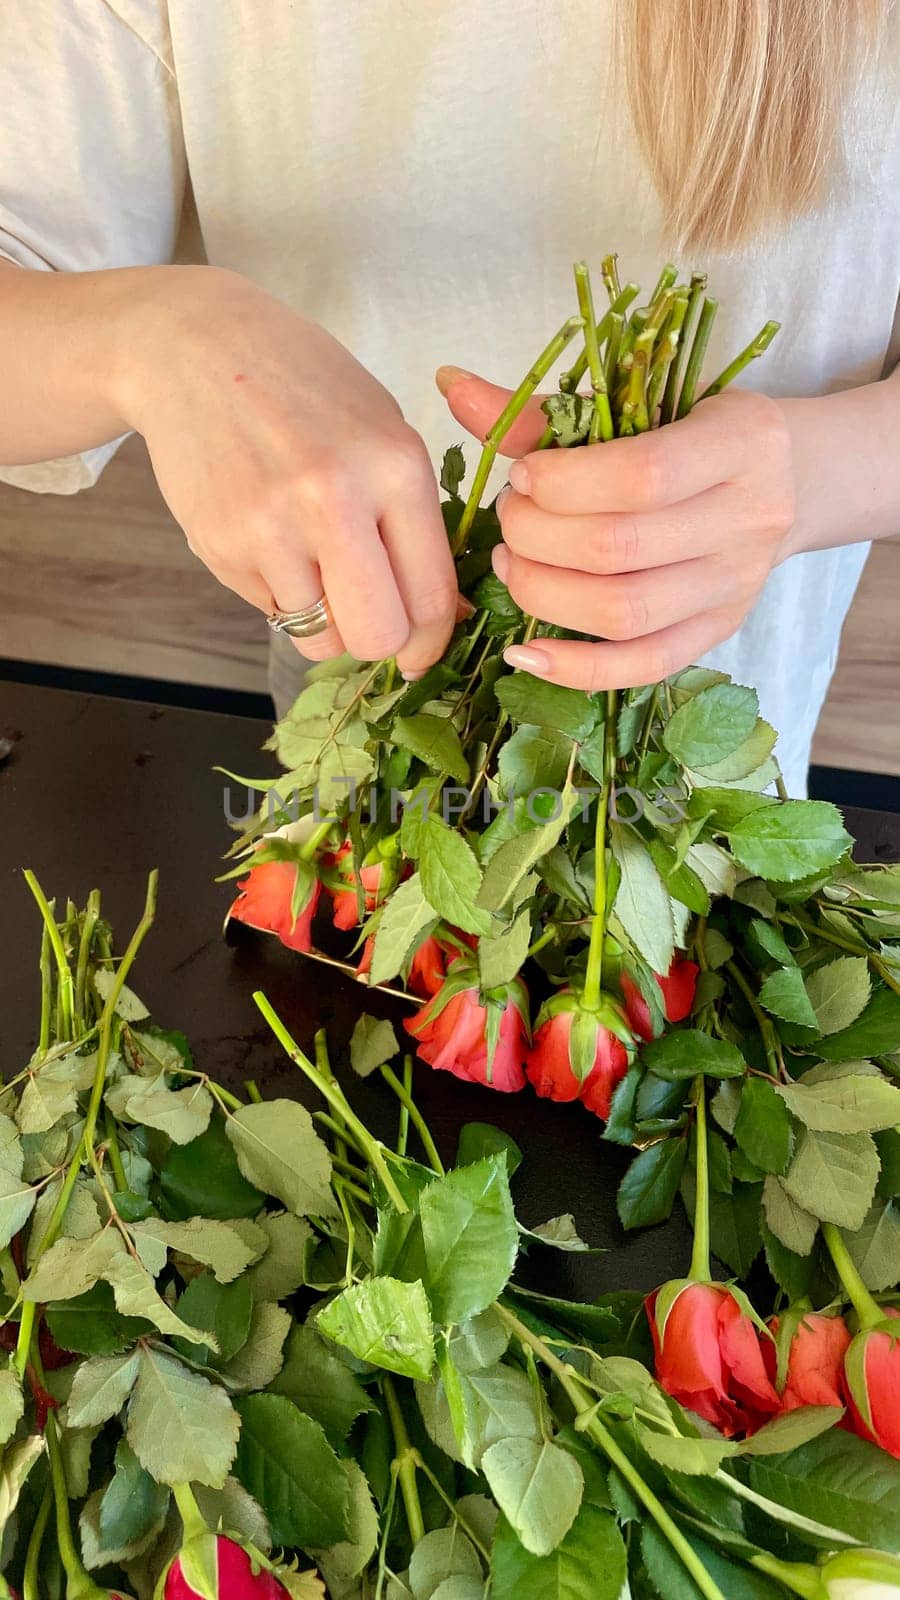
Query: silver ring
[[303, 624]]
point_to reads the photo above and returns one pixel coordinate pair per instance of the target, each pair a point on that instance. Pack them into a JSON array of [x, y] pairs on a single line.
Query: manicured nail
[[530, 660], [464, 608], [500, 559], [411, 677], [519, 478], [447, 375], [502, 498]]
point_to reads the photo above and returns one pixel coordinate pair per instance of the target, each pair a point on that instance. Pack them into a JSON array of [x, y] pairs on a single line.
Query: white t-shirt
[[419, 178]]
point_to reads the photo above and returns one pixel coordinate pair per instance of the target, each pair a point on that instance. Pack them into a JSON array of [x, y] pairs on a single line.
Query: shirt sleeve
[[92, 164]]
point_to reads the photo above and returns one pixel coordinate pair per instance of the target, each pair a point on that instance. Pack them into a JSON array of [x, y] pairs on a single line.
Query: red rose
[[815, 1369], [551, 1067], [678, 989], [235, 1577], [709, 1356], [483, 1043], [346, 905], [265, 902], [872, 1376]]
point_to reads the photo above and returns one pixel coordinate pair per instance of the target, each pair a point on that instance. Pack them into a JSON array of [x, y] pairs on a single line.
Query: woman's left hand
[[658, 544]]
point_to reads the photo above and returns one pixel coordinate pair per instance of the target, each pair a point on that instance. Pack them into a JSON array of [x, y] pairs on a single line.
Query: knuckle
[[436, 603], [653, 476], [405, 463], [624, 614], [382, 641], [613, 545], [323, 486]]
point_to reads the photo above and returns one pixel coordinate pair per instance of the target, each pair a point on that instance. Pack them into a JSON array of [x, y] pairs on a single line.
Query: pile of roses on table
[[712, 1355]]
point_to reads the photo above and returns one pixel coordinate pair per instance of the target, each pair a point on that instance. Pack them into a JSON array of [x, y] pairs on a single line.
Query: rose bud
[[872, 1376], [576, 1054], [482, 1041], [708, 1356], [433, 959], [211, 1567], [264, 902], [860, 1575], [678, 989], [815, 1361]]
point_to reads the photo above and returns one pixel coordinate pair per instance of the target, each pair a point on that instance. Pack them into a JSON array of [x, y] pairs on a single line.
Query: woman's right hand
[[289, 467]]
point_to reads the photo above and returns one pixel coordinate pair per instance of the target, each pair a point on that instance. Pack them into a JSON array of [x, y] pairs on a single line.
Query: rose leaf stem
[[800, 1577], [189, 1511], [46, 993], [766, 1030], [864, 1304], [66, 991], [418, 1121], [77, 1581], [696, 357], [31, 1573], [88, 926], [513, 408], [405, 1462], [596, 1430], [115, 1154], [601, 416], [700, 1268], [403, 1119], [594, 974], [370, 1147], [754, 348]]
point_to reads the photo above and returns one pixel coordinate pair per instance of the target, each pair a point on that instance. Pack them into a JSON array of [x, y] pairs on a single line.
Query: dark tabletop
[[96, 791]]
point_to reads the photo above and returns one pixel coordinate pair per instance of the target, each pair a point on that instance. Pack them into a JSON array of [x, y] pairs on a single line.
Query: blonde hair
[[739, 105]]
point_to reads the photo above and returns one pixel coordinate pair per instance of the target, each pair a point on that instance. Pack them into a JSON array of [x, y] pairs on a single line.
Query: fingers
[[614, 542], [660, 468], [362, 591], [624, 607], [414, 536], [477, 404], [294, 582], [595, 667]]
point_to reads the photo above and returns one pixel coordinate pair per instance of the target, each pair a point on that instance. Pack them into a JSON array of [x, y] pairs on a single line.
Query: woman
[[416, 181]]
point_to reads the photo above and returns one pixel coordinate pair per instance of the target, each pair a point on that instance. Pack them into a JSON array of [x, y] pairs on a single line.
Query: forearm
[[68, 339], [846, 459]]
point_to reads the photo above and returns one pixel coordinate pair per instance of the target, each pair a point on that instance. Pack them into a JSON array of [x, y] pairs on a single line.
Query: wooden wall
[[104, 580]]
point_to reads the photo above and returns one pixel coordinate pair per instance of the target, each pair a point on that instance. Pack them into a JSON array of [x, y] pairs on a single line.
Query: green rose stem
[[601, 416], [405, 1462], [88, 928], [408, 1104], [800, 1577], [766, 1028], [700, 1268], [864, 1304], [594, 973], [372, 1149], [85, 1151], [673, 378], [65, 989], [78, 1585], [696, 357], [755, 348], [590, 1423], [513, 408], [570, 380], [31, 1573]]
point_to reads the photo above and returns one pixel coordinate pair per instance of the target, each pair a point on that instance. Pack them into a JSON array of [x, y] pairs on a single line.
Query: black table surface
[[96, 791]]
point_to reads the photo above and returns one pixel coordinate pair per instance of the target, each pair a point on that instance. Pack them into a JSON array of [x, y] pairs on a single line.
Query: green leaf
[[772, 942], [135, 1293], [281, 1270], [537, 1486], [875, 1033], [501, 956], [133, 1505], [678, 1453], [790, 1222], [734, 1226], [16, 1205], [833, 1175], [69, 1267], [233, 1508], [285, 1461], [182, 1428], [479, 1342], [453, 469], [470, 1237], [97, 1552], [44, 1102], [128, 1006], [343, 1562], [746, 761], [791, 1430], [466, 1412], [441, 1554], [647, 1191], [837, 1481], [100, 1389], [875, 1247], [569, 416], [642, 900], [480, 1139], [203, 1178], [260, 1358], [516, 856], [222, 1310], [711, 725], [534, 758], [12, 1154], [181, 1113], [226, 1249], [12, 1403], [688, 1051], [90, 1325], [280, 1152], [373, 1042], [853, 1104], [784, 994], [589, 1564], [534, 700], [451, 877], [404, 918], [839, 991], [762, 1128], [386, 1322], [791, 840], [433, 740], [320, 1384]]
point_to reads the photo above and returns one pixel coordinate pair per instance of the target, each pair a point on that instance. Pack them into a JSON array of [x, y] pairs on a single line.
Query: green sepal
[[583, 1043]]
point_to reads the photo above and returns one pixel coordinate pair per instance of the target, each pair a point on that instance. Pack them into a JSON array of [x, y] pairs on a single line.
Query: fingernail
[[464, 608], [530, 660], [447, 375], [502, 498], [519, 478], [411, 677], [500, 559]]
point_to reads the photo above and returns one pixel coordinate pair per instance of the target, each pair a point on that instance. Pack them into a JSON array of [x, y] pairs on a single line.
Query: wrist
[[845, 467]]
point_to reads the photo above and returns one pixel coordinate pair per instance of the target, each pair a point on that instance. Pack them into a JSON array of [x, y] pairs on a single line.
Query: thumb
[[477, 404]]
